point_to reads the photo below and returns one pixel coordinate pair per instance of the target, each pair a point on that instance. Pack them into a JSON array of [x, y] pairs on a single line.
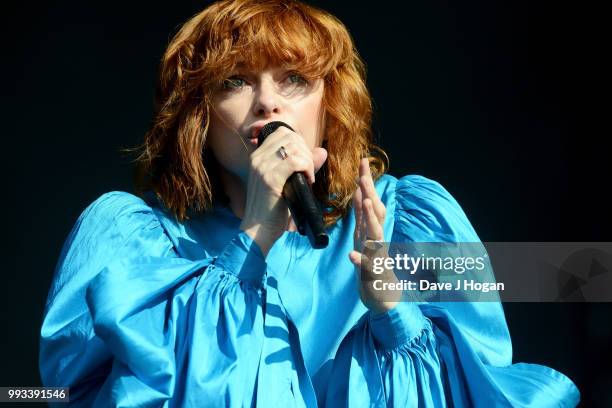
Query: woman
[[200, 292]]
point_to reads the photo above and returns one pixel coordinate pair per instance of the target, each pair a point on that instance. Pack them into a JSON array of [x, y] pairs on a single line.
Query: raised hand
[[370, 215]]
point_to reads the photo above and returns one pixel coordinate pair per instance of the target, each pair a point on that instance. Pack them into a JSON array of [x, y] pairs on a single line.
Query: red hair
[[173, 159]]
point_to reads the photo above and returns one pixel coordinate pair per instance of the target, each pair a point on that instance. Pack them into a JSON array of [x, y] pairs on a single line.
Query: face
[[247, 100]]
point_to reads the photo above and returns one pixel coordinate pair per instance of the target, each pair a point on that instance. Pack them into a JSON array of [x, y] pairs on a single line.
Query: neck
[[235, 189]]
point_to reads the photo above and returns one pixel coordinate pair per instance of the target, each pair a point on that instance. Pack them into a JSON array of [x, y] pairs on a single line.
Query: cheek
[[215, 134], [222, 127], [312, 121], [226, 144]]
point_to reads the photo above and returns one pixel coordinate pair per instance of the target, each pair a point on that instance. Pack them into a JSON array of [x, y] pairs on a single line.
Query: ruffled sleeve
[[128, 322], [438, 354]]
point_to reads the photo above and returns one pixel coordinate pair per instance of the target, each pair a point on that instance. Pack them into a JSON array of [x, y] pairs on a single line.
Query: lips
[[255, 131], [253, 136]]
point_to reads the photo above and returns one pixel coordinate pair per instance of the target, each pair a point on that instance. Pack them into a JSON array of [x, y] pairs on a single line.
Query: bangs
[[264, 35]]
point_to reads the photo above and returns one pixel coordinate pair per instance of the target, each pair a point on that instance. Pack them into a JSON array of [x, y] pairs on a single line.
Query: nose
[[267, 100]]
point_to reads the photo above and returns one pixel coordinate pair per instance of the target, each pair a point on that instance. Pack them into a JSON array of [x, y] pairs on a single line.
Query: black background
[[501, 102]]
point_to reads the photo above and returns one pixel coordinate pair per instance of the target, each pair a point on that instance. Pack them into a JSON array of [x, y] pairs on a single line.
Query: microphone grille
[[269, 128]]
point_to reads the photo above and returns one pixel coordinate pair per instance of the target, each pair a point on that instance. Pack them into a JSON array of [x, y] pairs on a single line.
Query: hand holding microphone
[[282, 153]]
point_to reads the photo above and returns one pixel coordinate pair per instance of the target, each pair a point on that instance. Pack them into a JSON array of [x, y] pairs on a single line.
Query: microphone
[[300, 198]]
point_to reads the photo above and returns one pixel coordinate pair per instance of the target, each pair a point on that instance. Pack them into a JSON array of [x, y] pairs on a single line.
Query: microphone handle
[[305, 210]]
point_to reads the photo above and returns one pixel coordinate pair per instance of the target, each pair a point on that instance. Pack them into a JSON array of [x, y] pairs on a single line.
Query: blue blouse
[[144, 311]]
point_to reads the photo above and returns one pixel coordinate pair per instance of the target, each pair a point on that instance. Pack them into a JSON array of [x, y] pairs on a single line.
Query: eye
[[233, 82], [296, 78]]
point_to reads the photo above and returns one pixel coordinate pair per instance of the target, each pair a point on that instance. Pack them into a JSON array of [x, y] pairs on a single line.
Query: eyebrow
[[245, 67]]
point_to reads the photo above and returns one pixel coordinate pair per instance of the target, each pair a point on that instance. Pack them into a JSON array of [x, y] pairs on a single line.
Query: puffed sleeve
[[130, 323], [438, 354]]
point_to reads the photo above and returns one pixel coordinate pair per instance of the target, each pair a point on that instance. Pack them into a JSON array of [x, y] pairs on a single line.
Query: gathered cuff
[[243, 257], [398, 325]]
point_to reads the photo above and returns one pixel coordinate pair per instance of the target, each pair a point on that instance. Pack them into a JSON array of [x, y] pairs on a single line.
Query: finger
[[319, 155], [302, 164], [358, 217], [295, 145], [366, 275], [361, 230], [363, 263], [368, 191], [282, 137], [362, 225], [364, 166], [280, 132], [295, 161], [374, 229], [355, 258], [366, 183], [292, 144], [275, 139]]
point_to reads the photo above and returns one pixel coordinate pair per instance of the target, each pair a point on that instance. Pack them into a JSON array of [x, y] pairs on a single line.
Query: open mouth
[[254, 137], [255, 132], [253, 141]]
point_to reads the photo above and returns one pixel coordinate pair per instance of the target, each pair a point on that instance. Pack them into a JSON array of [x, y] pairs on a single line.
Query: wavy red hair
[[173, 160]]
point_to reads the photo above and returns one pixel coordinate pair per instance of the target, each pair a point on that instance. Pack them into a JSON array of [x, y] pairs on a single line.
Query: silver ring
[[282, 152], [373, 244]]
